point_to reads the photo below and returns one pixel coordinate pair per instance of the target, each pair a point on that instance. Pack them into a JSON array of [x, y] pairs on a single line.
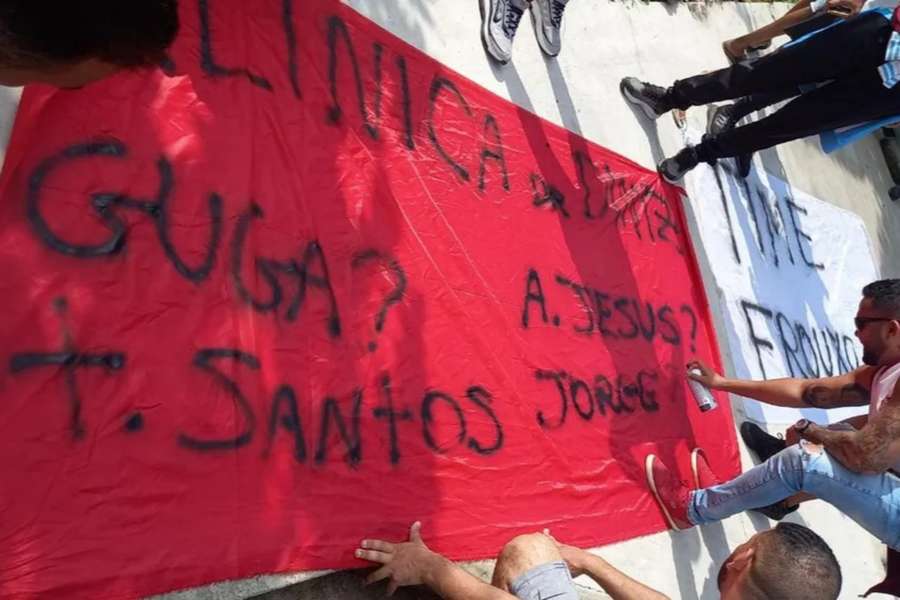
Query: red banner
[[303, 285]]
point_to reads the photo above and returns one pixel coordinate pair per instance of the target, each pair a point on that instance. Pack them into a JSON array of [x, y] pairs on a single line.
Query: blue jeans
[[873, 501]]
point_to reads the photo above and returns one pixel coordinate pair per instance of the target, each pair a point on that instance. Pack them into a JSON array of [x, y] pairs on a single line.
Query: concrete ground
[[603, 42]]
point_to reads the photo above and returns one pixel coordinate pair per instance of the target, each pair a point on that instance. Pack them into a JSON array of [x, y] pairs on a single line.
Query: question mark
[[394, 296], [690, 311]]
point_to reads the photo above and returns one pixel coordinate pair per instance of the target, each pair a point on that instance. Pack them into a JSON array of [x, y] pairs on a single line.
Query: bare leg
[[791, 437], [736, 48], [522, 554]]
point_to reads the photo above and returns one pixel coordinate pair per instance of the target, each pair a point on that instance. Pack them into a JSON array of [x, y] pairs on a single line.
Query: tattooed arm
[[849, 389], [873, 449]]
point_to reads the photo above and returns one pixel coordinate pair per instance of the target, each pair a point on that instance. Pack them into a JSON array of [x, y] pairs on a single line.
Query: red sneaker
[[703, 475], [671, 493]]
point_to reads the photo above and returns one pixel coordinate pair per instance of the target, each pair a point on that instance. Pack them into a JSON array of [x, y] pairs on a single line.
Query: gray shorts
[[545, 582]]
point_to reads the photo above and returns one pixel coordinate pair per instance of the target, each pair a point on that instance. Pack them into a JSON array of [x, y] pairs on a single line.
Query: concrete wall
[[603, 42]]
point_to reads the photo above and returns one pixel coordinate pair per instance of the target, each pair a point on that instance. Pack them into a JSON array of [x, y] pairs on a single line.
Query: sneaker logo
[[499, 9]]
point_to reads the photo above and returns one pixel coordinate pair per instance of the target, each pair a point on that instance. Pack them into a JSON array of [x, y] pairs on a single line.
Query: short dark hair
[[885, 295], [794, 563], [127, 33]]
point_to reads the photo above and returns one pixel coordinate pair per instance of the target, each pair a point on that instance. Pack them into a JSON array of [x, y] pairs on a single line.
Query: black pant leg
[[755, 102], [848, 101], [858, 43]]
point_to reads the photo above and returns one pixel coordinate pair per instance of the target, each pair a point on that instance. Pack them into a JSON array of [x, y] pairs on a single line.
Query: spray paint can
[[702, 396]]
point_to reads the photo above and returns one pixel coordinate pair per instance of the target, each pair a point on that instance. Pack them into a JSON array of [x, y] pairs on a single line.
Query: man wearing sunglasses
[[854, 465]]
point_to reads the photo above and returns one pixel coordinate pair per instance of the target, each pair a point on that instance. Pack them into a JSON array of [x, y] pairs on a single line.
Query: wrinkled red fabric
[[303, 284]]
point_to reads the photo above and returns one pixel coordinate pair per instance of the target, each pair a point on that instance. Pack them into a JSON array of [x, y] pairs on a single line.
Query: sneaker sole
[[648, 112], [537, 21], [489, 46], [648, 471]]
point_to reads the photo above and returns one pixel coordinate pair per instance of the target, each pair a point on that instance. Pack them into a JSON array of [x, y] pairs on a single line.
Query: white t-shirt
[[882, 388]]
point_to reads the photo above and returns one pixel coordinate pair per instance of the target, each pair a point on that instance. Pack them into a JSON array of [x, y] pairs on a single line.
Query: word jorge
[[622, 395]]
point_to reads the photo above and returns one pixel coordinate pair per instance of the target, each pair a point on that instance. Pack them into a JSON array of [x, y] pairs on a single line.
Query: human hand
[[404, 563], [843, 8], [804, 429], [791, 437], [706, 375], [573, 557]]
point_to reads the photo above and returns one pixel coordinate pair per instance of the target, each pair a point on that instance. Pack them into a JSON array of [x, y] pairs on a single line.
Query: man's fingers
[[376, 576], [377, 545], [415, 532], [700, 376], [374, 556], [392, 587]]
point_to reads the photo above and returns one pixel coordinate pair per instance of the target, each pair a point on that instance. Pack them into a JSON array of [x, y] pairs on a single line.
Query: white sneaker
[[546, 16], [499, 22]]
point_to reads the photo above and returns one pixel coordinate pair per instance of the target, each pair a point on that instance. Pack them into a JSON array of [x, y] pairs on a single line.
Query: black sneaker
[[650, 98], [776, 511], [673, 169], [763, 445], [719, 119], [743, 162]]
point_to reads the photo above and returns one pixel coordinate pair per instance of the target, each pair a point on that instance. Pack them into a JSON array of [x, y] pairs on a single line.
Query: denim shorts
[[544, 582]]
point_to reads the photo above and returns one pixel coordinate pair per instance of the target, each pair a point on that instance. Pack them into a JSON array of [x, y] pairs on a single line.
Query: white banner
[[789, 269]]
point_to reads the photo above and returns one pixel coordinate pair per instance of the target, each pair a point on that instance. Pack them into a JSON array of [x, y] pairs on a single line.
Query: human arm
[[840, 8], [856, 422], [412, 563], [873, 449], [849, 389], [800, 12], [617, 584]]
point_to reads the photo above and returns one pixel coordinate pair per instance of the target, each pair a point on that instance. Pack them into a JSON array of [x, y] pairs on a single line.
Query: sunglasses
[[861, 322]]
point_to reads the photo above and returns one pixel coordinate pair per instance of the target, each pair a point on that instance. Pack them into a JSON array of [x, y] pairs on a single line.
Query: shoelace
[[511, 18], [556, 13]]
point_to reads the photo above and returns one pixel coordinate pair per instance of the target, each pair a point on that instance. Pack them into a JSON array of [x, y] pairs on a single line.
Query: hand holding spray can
[[702, 396]]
